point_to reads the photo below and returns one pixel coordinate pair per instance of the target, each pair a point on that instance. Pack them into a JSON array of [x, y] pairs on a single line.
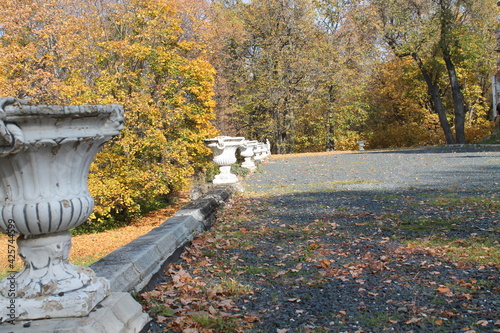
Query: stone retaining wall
[[131, 267]]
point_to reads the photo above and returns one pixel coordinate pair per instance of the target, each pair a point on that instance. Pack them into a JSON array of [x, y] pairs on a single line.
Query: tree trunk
[[330, 127], [433, 90], [459, 106], [278, 131], [290, 130], [458, 98]]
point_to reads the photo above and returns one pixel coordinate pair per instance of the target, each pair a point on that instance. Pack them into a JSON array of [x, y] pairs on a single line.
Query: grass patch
[[483, 250], [87, 260], [477, 202], [230, 287], [216, 323], [427, 225], [161, 310]]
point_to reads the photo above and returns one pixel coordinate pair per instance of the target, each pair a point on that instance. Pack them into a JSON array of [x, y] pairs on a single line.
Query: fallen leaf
[[467, 296], [251, 318], [413, 320], [443, 289], [190, 330], [324, 263], [211, 293]]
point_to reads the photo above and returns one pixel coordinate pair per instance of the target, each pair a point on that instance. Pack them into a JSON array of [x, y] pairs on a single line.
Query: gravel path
[[425, 168], [377, 241], [373, 203]]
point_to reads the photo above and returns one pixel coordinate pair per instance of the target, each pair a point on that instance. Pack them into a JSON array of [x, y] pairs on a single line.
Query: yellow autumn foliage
[[133, 53]]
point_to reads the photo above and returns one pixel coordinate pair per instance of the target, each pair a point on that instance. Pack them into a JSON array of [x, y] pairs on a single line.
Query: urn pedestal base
[[74, 304], [117, 313], [49, 286], [249, 164], [225, 176]]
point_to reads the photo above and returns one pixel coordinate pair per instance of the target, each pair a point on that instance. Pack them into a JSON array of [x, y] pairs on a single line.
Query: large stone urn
[[247, 151], [224, 149], [45, 155]]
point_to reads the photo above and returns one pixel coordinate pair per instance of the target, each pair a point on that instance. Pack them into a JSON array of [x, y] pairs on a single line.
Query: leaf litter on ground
[[262, 268]]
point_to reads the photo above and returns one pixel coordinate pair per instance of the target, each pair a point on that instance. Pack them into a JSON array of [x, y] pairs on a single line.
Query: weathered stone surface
[[70, 304], [118, 313], [122, 275]]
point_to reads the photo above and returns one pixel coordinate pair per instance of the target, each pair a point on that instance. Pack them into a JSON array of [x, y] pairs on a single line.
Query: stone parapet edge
[[131, 267]]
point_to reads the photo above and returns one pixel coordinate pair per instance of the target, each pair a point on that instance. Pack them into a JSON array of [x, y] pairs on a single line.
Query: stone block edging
[[130, 267]]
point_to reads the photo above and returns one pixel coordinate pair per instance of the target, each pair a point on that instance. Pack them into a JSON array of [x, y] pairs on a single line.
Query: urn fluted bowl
[[45, 155]]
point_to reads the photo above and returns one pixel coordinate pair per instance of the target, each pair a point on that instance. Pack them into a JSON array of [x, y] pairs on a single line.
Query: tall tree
[[270, 67], [281, 40], [131, 52], [348, 60], [433, 32]]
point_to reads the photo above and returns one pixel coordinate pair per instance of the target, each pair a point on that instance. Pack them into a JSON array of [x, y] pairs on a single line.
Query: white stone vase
[[247, 151], [224, 149], [268, 147], [45, 155], [260, 152]]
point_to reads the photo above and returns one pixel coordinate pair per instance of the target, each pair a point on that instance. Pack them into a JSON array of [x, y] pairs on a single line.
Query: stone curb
[[131, 267]]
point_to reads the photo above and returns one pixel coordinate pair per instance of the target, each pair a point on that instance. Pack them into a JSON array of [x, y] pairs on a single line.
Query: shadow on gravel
[[373, 261], [360, 242]]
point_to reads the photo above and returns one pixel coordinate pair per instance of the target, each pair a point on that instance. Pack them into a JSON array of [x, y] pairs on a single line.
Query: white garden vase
[[45, 155], [260, 152], [224, 149], [361, 145], [268, 147], [247, 151]]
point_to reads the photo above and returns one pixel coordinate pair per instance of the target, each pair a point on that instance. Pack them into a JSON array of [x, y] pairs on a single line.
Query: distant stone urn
[[45, 155], [224, 149], [247, 151], [260, 151]]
